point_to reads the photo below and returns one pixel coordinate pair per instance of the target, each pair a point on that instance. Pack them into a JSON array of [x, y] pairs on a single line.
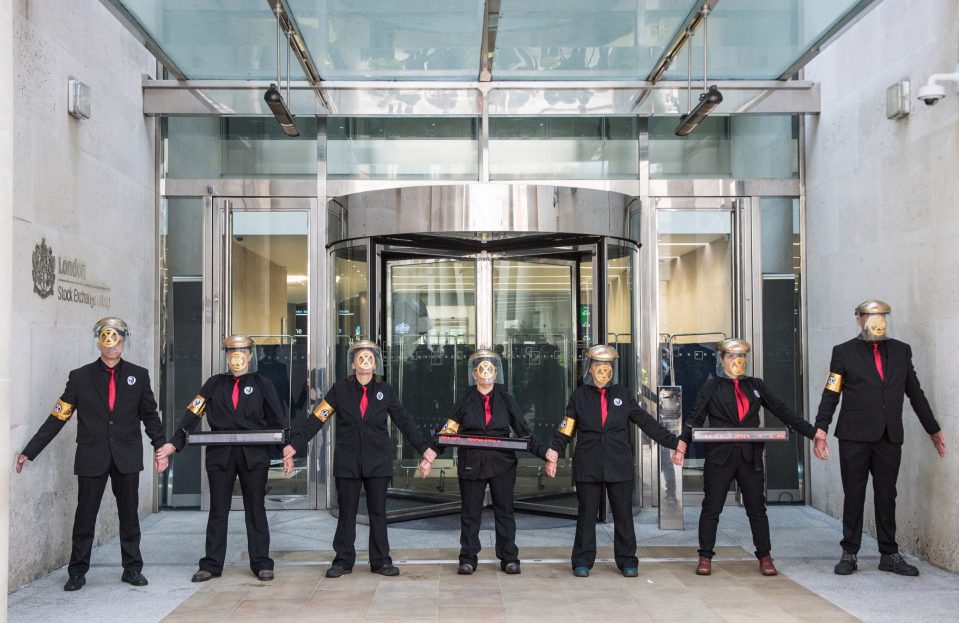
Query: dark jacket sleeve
[[149, 414], [52, 425], [784, 412], [560, 441], [830, 398], [275, 418], [307, 428], [518, 423], [698, 418], [917, 398], [190, 419], [641, 418], [404, 421]]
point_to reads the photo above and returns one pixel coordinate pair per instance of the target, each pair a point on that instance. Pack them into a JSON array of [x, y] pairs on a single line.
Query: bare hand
[[551, 468], [164, 451], [679, 457], [430, 455], [552, 456], [160, 465], [681, 448], [938, 440], [820, 434], [426, 466], [821, 449], [20, 461], [289, 451]]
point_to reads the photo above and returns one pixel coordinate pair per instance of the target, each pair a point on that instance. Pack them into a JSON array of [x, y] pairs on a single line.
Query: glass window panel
[[350, 292], [213, 39], [402, 148], [372, 39], [583, 39], [758, 39], [564, 147]]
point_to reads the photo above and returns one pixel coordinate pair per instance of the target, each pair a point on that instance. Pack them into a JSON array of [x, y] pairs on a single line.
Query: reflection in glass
[[351, 317], [269, 278]]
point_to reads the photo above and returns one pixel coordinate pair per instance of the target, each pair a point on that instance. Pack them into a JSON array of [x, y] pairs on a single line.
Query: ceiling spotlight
[[708, 102], [280, 110]]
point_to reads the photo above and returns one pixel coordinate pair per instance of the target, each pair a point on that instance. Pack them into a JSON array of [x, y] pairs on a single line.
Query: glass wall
[[351, 313]]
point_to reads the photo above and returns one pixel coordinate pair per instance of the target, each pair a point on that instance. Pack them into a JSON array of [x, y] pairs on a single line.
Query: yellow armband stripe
[[62, 410], [834, 382], [567, 427], [450, 428], [198, 406], [323, 411]]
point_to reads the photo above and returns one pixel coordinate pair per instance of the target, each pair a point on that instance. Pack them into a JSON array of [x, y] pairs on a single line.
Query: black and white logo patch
[[247, 390], [618, 402], [756, 391], [131, 380], [379, 395]]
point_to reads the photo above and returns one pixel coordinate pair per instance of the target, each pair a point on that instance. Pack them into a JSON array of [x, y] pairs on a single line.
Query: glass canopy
[[444, 40]]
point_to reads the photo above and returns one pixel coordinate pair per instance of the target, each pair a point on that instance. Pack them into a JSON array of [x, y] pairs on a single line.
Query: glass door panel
[[535, 332], [696, 308]]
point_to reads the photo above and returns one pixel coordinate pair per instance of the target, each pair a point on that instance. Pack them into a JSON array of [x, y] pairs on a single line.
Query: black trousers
[[472, 493], [89, 495], [857, 460], [716, 481], [590, 496], [344, 540], [253, 487]]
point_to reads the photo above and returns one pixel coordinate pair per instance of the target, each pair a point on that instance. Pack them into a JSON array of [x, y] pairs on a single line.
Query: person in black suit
[[487, 409], [239, 399], [363, 453], [732, 400], [111, 397], [872, 374], [598, 414]]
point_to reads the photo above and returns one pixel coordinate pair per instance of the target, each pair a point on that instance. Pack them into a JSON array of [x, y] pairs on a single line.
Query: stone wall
[[882, 222]]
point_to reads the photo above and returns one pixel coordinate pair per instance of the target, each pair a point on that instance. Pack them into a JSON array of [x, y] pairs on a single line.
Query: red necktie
[[236, 391], [364, 401], [875, 355], [489, 412], [602, 403], [742, 403], [111, 400]]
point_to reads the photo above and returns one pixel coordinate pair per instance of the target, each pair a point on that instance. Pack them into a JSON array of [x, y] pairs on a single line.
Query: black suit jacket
[[363, 447], [258, 408], [605, 453], [716, 408], [103, 436], [872, 405], [469, 413]]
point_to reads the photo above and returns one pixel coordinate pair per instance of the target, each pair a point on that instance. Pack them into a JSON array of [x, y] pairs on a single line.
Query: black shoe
[[264, 575], [465, 569], [75, 582], [630, 572], [896, 564], [335, 572], [133, 577], [388, 570], [846, 565], [512, 568], [203, 575], [581, 572]]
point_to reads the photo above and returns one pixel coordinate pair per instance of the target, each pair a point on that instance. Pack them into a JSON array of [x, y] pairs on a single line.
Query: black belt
[[236, 437], [740, 435], [480, 441]]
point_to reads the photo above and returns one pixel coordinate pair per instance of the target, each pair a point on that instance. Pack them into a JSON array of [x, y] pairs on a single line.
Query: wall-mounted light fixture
[[78, 99], [273, 97], [710, 97]]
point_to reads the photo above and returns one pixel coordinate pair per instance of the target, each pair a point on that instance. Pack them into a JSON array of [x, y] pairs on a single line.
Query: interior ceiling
[[492, 40]]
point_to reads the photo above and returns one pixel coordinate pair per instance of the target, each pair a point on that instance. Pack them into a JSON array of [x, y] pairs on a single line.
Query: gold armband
[[62, 411], [198, 406], [450, 428], [834, 382], [323, 411], [567, 427]]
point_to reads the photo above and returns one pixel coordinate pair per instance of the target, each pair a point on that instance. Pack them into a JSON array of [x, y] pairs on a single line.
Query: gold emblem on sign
[[834, 382], [567, 426], [62, 410], [198, 406], [450, 428], [323, 411]]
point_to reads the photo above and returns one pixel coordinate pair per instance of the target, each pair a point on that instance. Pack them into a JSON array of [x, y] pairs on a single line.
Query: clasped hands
[[161, 458]]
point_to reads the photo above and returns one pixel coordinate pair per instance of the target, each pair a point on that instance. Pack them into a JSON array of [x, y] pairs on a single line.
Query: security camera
[[930, 94]]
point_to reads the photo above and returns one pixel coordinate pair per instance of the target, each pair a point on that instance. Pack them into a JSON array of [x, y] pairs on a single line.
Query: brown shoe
[[705, 566], [766, 566]]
